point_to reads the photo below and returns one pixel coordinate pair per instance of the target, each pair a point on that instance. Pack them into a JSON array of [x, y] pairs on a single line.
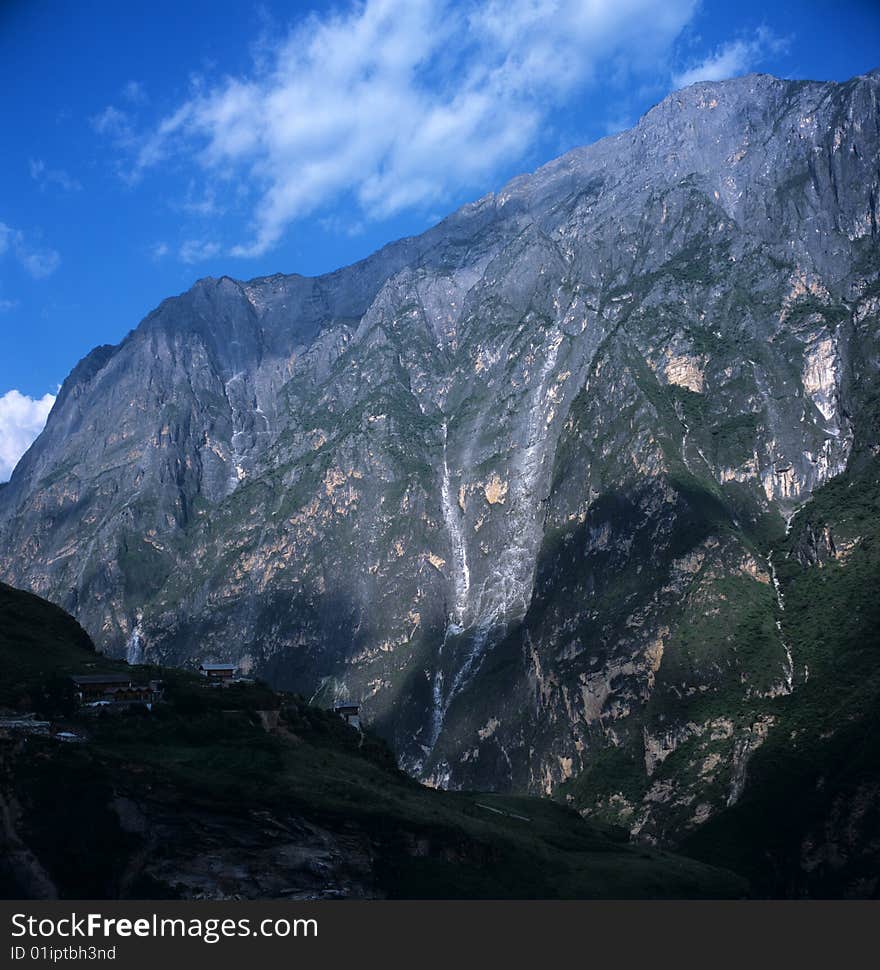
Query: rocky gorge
[[537, 488]]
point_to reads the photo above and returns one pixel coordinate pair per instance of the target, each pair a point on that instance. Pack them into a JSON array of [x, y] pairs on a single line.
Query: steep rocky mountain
[[519, 485], [246, 793]]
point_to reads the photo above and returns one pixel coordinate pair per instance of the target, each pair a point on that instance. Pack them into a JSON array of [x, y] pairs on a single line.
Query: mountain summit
[[519, 485]]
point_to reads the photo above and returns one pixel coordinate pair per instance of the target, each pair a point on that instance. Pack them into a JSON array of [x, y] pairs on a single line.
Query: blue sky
[[146, 146]]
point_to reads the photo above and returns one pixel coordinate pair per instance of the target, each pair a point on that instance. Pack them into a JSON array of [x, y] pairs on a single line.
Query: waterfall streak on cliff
[[505, 592], [134, 649], [461, 578], [788, 670], [451, 516]]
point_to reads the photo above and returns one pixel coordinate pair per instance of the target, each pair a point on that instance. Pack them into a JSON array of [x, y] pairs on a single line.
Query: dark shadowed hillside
[[243, 793]]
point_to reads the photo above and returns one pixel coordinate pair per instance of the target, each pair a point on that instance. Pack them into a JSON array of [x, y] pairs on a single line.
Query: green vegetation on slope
[[808, 822], [40, 645]]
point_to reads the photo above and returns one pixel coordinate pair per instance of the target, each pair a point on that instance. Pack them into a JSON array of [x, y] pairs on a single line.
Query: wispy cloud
[[21, 419], [734, 58], [115, 123], [198, 250], [204, 205], [36, 260], [393, 104], [119, 124], [135, 93], [45, 176]]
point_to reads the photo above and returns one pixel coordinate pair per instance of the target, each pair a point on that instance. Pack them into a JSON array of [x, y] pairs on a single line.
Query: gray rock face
[[512, 484]]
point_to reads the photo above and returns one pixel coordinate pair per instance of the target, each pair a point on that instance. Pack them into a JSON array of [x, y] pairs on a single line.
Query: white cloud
[[22, 418], [40, 263], [36, 260], [43, 176], [732, 59], [198, 250], [396, 104]]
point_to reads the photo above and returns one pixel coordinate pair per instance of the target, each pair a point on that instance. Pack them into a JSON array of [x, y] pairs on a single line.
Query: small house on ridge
[[218, 672]]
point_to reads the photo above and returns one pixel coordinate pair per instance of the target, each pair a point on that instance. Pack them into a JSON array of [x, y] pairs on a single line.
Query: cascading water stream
[[134, 649], [507, 587], [780, 602], [461, 584]]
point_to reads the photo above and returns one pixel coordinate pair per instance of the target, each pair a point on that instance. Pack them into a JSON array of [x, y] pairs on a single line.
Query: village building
[[224, 673], [350, 713], [116, 690]]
